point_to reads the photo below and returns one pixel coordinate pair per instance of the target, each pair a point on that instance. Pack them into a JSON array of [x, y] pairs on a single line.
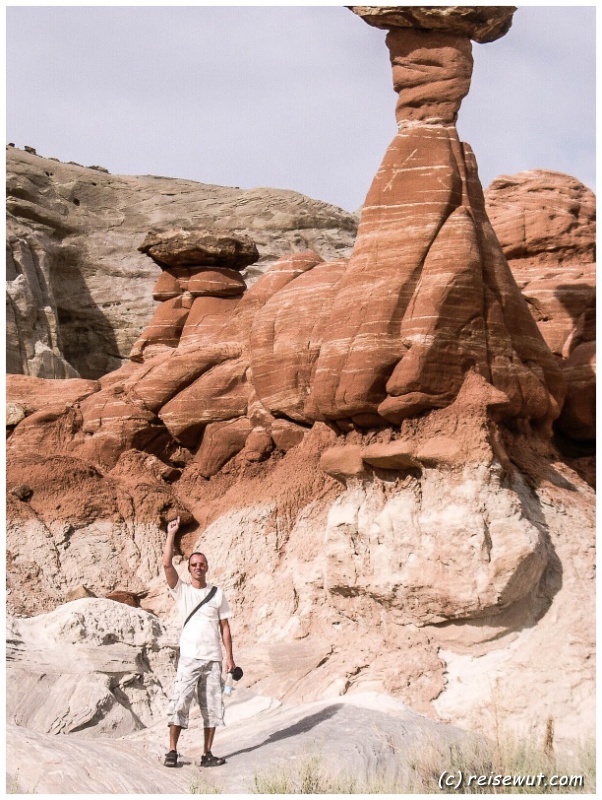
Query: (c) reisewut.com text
[[458, 780]]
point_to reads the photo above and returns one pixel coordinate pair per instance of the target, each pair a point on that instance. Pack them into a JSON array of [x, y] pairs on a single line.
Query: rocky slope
[[375, 431]]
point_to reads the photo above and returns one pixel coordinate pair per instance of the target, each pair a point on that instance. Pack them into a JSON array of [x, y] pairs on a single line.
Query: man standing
[[200, 664]]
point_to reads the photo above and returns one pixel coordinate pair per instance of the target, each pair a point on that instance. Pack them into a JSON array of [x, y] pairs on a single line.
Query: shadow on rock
[[302, 726]]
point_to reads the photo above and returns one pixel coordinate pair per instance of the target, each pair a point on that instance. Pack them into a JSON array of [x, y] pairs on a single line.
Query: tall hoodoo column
[[427, 295]]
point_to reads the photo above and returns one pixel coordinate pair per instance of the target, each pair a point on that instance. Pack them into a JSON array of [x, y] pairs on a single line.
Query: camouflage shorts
[[203, 678]]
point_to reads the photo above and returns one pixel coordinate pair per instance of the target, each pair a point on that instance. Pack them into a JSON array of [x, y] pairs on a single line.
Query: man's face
[[198, 566]]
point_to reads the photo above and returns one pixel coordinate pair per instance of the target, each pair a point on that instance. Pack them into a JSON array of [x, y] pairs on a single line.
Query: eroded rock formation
[[105, 663], [375, 431], [78, 291], [545, 222]]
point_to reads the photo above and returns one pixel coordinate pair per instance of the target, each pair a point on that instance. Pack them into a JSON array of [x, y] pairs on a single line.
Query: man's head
[[197, 564]]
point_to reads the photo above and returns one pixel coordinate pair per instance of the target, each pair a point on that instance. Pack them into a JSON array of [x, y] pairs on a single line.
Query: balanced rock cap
[[481, 23], [182, 248]]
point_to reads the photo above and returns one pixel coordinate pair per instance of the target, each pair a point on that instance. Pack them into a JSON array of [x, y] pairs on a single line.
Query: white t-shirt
[[201, 636]]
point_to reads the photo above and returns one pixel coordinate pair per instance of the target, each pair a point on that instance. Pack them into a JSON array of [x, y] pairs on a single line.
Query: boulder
[[286, 434], [221, 441], [192, 248], [397, 455], [258, 445], [343, 462], [90, 667], [14, 414], [127, 598], [481, 23], [78, 593]]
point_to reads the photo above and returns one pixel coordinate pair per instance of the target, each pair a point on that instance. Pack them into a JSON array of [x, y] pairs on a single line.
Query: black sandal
[[209, 760], [171, 759]]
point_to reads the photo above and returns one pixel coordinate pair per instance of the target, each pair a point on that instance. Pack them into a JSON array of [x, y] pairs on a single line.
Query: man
[[200, 664]]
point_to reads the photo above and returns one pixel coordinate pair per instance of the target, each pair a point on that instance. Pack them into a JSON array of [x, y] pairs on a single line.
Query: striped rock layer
[[427, 294], [425, 304]]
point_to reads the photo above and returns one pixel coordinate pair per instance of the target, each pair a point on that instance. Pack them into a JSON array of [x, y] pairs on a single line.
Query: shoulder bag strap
[[202, 603]]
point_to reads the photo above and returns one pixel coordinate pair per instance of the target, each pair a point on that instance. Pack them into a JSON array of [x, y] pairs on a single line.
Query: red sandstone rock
[[578, 418], [397, 454], [216, 283], [433, 93], [31, 430], [342, 462], [112, 423], [285, 270], [167, 287], [127, 598], [543, 215], [422, 323], [546, 224], [164, 329], [286, 337], [181, 248], [208, 316], [257, 413], [259, 445], [219, 394], [167, 374], [441, 450], [286, 434], [221, 441], [33, 394]]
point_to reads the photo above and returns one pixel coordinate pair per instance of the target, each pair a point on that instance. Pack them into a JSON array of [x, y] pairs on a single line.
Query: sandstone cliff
[[375, 430], [79, 292]]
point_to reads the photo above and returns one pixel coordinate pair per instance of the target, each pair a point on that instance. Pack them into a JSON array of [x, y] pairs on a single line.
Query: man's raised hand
[[173, 526]]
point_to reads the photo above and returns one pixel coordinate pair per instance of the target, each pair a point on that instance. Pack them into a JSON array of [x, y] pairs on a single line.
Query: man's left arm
[[227, 640]]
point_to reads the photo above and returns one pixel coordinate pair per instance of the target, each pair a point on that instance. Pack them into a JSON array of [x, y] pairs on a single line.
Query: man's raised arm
[[170, 572]]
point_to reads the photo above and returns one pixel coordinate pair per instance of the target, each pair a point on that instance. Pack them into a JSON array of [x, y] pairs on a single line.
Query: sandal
[[171, 759], [209, 760]]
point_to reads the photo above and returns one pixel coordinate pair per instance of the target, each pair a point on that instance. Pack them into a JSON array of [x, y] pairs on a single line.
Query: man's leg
[[209, 734], [183, 691], [212, 709], [174, 735]]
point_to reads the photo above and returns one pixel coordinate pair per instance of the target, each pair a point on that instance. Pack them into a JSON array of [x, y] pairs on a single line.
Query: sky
[[291, 97]]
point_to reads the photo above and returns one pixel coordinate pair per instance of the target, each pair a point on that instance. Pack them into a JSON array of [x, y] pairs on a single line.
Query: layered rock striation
[[546, 225]]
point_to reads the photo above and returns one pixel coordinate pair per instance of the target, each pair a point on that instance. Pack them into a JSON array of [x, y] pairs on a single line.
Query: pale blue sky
[[289, 97]]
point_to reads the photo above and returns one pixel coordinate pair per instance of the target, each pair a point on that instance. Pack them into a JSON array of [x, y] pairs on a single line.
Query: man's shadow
[[302, 726]]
